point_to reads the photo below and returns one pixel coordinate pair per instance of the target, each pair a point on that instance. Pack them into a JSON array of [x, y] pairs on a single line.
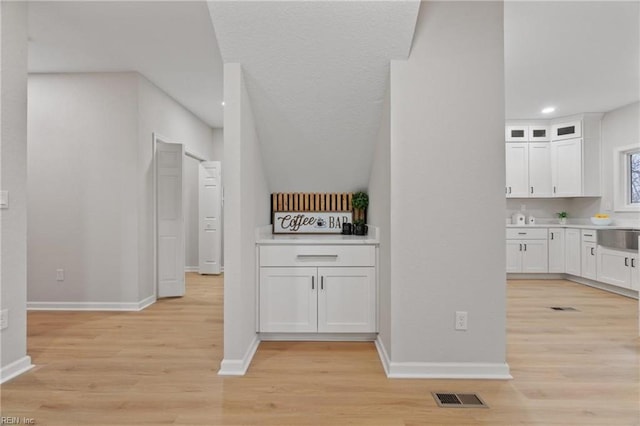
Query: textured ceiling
[[316, 73], [171, 43], [576, 56]]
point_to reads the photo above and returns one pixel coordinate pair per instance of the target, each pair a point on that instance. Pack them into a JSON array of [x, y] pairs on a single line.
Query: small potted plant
[[562, 217], [360, 202]]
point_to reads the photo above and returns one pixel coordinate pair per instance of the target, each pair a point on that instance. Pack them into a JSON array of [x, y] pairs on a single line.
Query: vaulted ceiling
[[316, 73], [316, 70]]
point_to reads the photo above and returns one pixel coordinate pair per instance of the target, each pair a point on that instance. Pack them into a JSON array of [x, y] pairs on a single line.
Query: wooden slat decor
[[311, 202]]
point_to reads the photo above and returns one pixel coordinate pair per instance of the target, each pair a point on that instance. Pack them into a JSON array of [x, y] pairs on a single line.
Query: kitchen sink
[[625, 239]]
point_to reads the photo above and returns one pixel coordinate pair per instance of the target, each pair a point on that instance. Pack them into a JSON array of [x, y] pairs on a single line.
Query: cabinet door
[[614, 267], [514, 256], [535, 256], [288, 299], [516, 133], [572, 252], [589, 261], [347, 300], [635, 273], [556, 250], [566, 168], [540, 169], [517, 170]]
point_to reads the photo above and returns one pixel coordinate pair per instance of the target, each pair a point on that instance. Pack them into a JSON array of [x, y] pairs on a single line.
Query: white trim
[[15, 369], [91, 306], [620, 173], [384, 357], [627, 292], [318, 337], [191, 269], [441, 370], [239, 367]]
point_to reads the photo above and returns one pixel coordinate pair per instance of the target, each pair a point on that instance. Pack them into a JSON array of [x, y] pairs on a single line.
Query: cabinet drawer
[[529, 234], [589, 235], [304, 255]]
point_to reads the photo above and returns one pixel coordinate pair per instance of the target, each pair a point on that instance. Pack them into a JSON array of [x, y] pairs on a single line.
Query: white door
[[535, 256], [572, 251], [514, 256], [540, 169], [288, 300], [170, 247], [517, 169], [556, 250], [566, 167], [346, 300], [210, 201]]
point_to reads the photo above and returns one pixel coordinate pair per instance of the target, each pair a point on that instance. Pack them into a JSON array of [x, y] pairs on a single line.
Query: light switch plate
[[4, 199]]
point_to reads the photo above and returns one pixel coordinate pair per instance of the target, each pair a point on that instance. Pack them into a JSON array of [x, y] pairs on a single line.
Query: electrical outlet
[[59, 274], [4, 319], [523, 207], [461, 320]]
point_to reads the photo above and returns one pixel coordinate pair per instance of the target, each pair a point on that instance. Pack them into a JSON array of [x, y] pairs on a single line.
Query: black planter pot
[[347, 229], [360, 229]]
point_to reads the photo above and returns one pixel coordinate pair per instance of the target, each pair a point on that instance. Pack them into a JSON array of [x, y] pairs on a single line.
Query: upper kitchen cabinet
[[575, 156], [562, 158]]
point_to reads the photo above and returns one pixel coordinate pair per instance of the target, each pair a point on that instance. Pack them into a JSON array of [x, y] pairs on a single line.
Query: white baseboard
[[604, 286], [191, 268], [441, 370], [15, 369], [239, 367], [91, 306], [318, 337]]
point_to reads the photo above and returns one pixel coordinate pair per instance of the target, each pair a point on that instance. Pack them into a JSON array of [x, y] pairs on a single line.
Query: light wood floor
[[159, 367]]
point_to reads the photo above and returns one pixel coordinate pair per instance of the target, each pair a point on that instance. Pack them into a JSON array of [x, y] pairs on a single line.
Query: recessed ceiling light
[[548, 110], [222, 103]]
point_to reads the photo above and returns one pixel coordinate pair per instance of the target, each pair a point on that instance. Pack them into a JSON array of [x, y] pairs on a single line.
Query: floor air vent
[[459, 400], [563, 308]]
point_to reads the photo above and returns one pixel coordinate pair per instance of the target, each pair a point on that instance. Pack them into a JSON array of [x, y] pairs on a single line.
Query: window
[[634, 177], [627, 181]]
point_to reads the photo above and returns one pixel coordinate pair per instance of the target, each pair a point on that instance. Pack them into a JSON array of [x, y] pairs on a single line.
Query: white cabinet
[[618, 267], [566, 168], [566, 130], [527, 250], [516, 133], [589, 256], [540, 169], [317, 289], [556, 250], [517, 170], [572, 252]]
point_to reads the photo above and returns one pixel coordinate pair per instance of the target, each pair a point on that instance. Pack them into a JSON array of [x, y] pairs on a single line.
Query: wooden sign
[[310, 222]]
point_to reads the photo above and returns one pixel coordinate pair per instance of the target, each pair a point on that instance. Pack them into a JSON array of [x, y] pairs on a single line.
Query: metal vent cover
[[563, 308], [458, 400]]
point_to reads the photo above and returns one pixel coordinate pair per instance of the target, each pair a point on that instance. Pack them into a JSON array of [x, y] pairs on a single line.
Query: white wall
[[620, 128], [82, 164], [13, 178], [91, 183], [379, 214], [246, 208], [540, 208], [447, 180]]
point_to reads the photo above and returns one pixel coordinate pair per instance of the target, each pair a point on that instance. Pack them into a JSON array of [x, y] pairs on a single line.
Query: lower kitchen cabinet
[[618, 267], [322, 300], [556, 250], [527, 251], [588, 250], [572, 252]]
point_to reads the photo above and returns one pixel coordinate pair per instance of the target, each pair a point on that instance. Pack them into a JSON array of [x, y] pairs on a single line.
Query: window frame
[[622, 179]]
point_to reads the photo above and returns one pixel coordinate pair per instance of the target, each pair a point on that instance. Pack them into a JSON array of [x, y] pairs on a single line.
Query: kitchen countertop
[[574, 226], [265, 236]]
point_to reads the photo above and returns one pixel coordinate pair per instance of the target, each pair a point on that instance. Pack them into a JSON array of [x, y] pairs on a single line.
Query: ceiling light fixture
[[222, 103], [548, 110]]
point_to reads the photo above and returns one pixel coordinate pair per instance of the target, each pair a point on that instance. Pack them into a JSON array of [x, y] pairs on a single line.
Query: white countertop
[[265, 236], [574, 225]]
